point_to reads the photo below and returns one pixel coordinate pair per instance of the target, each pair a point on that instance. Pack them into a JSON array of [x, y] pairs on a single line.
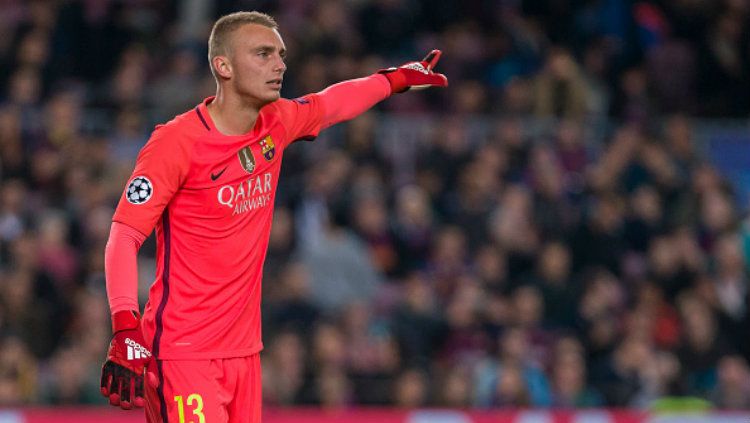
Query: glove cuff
[[396, 78], [125, 319]]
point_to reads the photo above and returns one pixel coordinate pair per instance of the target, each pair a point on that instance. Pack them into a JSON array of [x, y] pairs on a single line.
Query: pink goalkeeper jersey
[[210, 198]]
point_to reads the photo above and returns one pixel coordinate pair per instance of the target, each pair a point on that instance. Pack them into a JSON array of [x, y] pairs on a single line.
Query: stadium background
[[564, 227]]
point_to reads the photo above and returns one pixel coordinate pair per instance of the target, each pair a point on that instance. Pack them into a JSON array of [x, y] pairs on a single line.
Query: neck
[[231, 113]]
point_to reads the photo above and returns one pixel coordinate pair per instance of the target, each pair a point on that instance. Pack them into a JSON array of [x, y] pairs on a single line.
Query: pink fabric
[[348, 99], [121, 267]]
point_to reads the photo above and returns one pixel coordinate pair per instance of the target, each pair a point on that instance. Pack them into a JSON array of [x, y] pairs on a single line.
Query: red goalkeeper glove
[[416, 75], [125, 369]]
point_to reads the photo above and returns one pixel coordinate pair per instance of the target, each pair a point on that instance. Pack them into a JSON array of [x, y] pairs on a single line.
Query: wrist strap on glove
[[124, 320]]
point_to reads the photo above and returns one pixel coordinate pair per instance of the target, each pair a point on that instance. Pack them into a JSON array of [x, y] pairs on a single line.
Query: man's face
[[257, 61]]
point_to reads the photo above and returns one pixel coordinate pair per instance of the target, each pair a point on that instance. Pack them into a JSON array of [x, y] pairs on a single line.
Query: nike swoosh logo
[[217, 175]]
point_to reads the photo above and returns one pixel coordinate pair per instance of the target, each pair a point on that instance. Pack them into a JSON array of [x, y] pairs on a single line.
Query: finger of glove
[[106, 381], [138, 389], [126, 392], [432, 58], [113, 388], [439, 80], [427, 81], [120, 380], [114, 396], [152, 379]]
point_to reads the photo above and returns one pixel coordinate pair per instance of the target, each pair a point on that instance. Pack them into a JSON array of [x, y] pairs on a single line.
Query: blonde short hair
[[218, 41]]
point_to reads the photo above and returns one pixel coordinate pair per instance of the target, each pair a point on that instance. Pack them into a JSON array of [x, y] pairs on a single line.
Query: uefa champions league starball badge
[[139, 190]]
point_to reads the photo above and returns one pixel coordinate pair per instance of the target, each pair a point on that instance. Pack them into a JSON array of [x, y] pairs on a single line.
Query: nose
[[280, 65]]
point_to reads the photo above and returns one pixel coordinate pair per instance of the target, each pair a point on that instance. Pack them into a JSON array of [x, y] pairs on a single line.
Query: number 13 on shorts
[[194, 403]]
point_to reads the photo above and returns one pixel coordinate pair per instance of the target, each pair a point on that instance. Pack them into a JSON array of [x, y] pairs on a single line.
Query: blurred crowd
[[435, 251]]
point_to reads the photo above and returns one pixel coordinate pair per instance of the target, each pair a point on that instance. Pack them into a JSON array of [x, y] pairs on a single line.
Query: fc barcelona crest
[[247, 160], [268, 148]]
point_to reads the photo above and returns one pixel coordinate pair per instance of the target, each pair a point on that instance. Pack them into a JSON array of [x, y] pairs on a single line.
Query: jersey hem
[[210, 355]]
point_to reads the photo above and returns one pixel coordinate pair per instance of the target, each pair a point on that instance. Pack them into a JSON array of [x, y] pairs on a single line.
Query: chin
[[271, 97], [260, 96]]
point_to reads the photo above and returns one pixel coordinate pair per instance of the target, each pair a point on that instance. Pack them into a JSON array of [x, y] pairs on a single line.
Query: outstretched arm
[[348, 99]]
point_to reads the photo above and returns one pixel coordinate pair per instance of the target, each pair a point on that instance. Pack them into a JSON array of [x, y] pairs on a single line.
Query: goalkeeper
[[206, 183]]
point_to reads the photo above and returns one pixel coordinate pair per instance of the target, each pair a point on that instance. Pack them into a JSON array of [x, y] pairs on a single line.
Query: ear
[[222, 67]]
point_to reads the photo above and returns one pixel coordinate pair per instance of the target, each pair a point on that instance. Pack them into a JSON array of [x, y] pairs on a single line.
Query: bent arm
[[121, 267], [348, 99]]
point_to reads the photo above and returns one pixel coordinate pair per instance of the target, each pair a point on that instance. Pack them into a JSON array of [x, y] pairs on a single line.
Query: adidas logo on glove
[[136, 351], [417, 67]]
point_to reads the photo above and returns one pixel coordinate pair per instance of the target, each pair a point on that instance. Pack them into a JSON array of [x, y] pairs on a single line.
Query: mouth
[[275, 83]]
